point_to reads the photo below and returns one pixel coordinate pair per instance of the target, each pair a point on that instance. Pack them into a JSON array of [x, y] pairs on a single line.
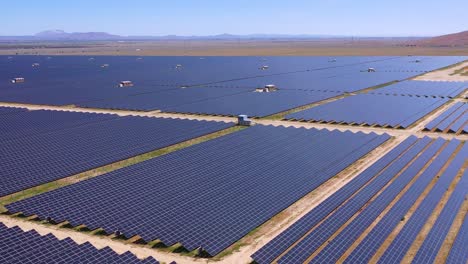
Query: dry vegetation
[[311, 47]]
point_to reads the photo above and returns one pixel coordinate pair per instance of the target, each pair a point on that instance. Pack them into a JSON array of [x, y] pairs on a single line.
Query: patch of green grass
[[463, 71], [235, 248]]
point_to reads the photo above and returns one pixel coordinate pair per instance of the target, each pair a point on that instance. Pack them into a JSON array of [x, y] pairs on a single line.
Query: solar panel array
[[424, 89], [214, 81], [385, 192], [210, 194], [17, 246], [42, 146], [453, 120], [372, 110]]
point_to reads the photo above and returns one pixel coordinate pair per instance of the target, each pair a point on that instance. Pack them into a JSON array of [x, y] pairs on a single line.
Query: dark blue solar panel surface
[[42, 146], [424, 88], [17, 246], [210, 194], [254, 104], [372, 109]]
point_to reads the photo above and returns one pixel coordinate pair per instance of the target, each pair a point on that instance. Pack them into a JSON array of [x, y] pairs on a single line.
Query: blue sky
[[208, 17]]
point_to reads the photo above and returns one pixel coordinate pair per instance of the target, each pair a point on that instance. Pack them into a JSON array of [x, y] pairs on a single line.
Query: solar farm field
[[348, 159], [402, 189], [42, 146], [258, 171]]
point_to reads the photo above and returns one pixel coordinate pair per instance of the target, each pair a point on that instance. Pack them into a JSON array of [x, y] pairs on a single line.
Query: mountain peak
[[59, 34], [51, 33]]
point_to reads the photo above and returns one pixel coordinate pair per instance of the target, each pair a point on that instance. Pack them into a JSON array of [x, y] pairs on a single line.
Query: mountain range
[[450, 40]]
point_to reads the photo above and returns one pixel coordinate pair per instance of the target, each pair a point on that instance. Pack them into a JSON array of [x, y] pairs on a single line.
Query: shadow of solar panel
[[370, 109], [30, 247]]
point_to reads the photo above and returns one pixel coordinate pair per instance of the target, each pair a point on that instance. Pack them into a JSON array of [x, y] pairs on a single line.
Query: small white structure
[[267, 89], [371, 70], [91, 59], [105, 66], [243, 120], [17, 80], [125, 84], [36, 65], [332, 60], [264, 67], [178, 66]]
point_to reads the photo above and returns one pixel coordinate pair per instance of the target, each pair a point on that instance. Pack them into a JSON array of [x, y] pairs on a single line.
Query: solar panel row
[[328, 231], [211, 194], [17, 246], [43, 146], [453, 120], [371, 109], [424, 88]]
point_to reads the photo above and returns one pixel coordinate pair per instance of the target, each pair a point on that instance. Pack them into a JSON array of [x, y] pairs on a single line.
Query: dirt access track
[[448, 74]]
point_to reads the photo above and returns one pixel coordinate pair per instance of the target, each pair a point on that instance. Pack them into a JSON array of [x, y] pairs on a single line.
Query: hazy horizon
[[362, 18]]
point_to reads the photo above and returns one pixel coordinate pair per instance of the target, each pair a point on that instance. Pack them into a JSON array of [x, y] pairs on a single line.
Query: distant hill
[[452, 40], [62, 35]]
